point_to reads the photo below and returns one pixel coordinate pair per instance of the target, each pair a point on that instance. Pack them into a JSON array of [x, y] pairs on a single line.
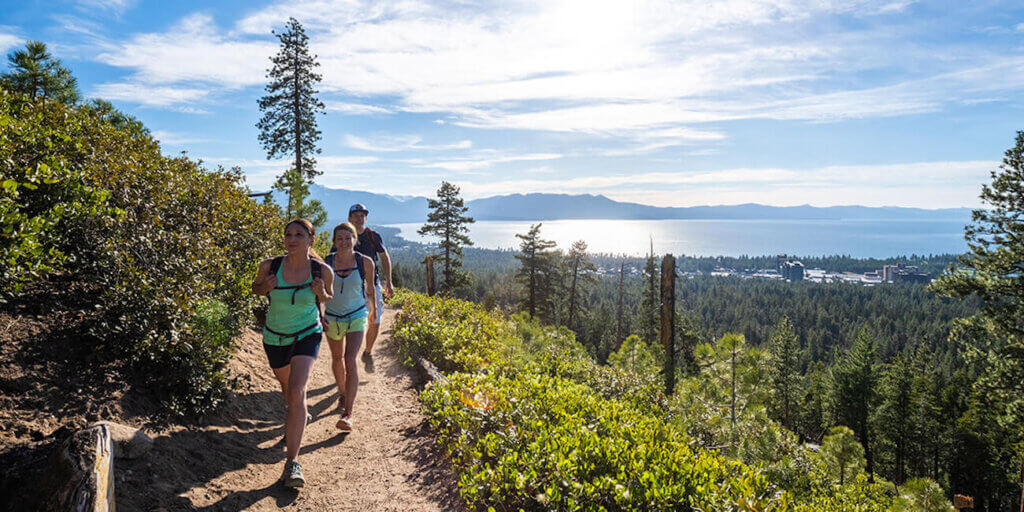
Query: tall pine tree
[[36, 73], [447, 221], [784, 348], [854, 390], [538, 273], [288, 126], [581, 274], [650, 303]]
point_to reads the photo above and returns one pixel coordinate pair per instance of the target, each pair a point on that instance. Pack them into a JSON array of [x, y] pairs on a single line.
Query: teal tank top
[[349, 300], [292, 314]]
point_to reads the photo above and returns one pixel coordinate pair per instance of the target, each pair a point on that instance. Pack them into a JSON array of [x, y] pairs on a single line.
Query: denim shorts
[[281, 355]]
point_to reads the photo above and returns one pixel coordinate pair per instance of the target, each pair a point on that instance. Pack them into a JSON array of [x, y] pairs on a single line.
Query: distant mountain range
[[388, 209]]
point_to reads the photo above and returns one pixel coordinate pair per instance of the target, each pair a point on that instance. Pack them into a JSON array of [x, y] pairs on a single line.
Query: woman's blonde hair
[[345, 226], [310, 230]]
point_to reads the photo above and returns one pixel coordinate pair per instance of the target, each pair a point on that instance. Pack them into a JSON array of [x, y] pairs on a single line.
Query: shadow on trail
[[249, 429]]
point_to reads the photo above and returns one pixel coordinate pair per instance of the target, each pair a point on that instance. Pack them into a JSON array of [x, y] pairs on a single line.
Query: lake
[[857, 238]]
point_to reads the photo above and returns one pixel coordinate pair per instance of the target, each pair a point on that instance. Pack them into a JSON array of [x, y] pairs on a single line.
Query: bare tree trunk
[[618, 330], [572, 291], [298, 134], [431, 289], [668, 320]]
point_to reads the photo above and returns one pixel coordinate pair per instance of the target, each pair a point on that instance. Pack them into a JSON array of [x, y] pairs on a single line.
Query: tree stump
[[84, 472]]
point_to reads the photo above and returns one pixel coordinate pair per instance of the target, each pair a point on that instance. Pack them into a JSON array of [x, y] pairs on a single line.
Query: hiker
[[346, 313], [371, 244], [296, 284]]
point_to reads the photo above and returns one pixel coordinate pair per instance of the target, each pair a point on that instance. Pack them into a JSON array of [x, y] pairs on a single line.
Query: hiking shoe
[[345, 424], [368, 362], [292, 476]]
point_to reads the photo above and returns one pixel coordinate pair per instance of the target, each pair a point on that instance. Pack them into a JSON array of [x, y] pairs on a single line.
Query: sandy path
[[387, 463]]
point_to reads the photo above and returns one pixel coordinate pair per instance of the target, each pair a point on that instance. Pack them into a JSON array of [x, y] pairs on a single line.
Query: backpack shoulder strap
[[329, 260], [373, 240], [360, 267], [315, 268], [275, 264]]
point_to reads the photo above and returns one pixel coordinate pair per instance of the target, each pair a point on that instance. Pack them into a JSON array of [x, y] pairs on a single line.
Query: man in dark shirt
[[371, 244]]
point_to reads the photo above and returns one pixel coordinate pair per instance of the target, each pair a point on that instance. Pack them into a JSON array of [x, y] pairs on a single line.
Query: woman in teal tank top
[[296, 284], [346, 315]]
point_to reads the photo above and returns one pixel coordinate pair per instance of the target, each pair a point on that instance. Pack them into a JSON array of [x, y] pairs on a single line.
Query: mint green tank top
[[292, 314]]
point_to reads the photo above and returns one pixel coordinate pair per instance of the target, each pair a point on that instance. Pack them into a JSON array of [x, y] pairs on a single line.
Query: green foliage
[[784, 359], [288, 125], [922, 495], [159, 237], [637, 356], [37, 74], [842, 454], [297, 188], [448, 222], [581, 275], [454, 335], [854, 391], [538, 273], [536, 442], [993, 269], [44, 189]]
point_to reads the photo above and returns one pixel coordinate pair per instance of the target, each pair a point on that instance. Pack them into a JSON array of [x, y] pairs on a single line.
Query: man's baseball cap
[[358, 207]]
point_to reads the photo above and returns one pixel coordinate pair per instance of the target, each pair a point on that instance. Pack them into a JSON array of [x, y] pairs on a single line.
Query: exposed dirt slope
[[232, 460]]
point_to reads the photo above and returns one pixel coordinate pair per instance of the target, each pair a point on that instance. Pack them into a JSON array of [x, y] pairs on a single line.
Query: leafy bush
[[535, 442], [159, 236], [42, 188], [453, 334]]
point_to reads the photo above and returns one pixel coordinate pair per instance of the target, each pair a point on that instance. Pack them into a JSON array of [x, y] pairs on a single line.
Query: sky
[[669, 103]]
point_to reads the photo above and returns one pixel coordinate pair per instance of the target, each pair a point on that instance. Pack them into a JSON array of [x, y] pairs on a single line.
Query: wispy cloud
[[357, 108], [115, 6], [177, 139], [8, 41], [486, 160], [390, 143], [150, 95]]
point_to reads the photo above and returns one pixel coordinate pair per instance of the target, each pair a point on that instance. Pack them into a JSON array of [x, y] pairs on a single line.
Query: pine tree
[[993, 269], [853, 391], [447, 220], [537, 272], [288, 125], [298, 190], [581, 274], [785, 371], [895, 418], [35, 73], [650, 303], [842, 454]]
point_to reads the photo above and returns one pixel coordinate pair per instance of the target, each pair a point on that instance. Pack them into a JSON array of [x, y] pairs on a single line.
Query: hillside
[[386, 209], [228, 460]]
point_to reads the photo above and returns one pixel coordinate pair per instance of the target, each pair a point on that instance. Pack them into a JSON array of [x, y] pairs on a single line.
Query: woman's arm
[[264, 281], [323, 287], [371, 291]]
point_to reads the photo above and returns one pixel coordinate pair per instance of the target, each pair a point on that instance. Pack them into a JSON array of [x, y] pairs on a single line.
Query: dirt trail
[[233, 461]]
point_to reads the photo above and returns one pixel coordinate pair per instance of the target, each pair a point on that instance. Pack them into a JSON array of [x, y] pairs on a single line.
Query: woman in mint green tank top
[[296, 283], [346, 315]]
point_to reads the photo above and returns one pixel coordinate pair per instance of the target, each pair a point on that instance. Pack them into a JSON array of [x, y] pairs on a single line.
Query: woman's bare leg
[[295, 421], [353, 341], [338, 365]]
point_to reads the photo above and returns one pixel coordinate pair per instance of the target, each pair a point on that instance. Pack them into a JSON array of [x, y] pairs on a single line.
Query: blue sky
[[672, 103]]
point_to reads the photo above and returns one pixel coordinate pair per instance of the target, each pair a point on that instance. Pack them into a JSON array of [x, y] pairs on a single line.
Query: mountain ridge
[[392, 209]]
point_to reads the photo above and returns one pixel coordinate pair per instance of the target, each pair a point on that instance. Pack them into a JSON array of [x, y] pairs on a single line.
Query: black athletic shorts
[[281, 356]]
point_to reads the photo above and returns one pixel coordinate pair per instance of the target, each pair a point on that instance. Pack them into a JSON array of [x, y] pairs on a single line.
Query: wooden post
[[429, 261], [668, 319]]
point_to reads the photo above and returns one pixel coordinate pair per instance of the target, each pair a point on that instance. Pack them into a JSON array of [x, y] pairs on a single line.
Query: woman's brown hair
[[311, 231], [345, 226]]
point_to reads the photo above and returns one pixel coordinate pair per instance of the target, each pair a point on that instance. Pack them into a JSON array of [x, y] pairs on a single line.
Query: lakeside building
[[792, 271], [902, 273]]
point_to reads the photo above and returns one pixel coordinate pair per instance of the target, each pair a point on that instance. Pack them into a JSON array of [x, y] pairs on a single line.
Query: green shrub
[[159, 236], [536, 442], [453, 334]]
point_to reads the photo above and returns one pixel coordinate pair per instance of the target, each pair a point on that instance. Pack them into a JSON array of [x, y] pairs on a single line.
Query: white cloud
[[486, 160], [157, 96], [1019, 27], [192, 50], [389, 143], [177, 139], [116, 6], [357, 109], [8, 41]]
